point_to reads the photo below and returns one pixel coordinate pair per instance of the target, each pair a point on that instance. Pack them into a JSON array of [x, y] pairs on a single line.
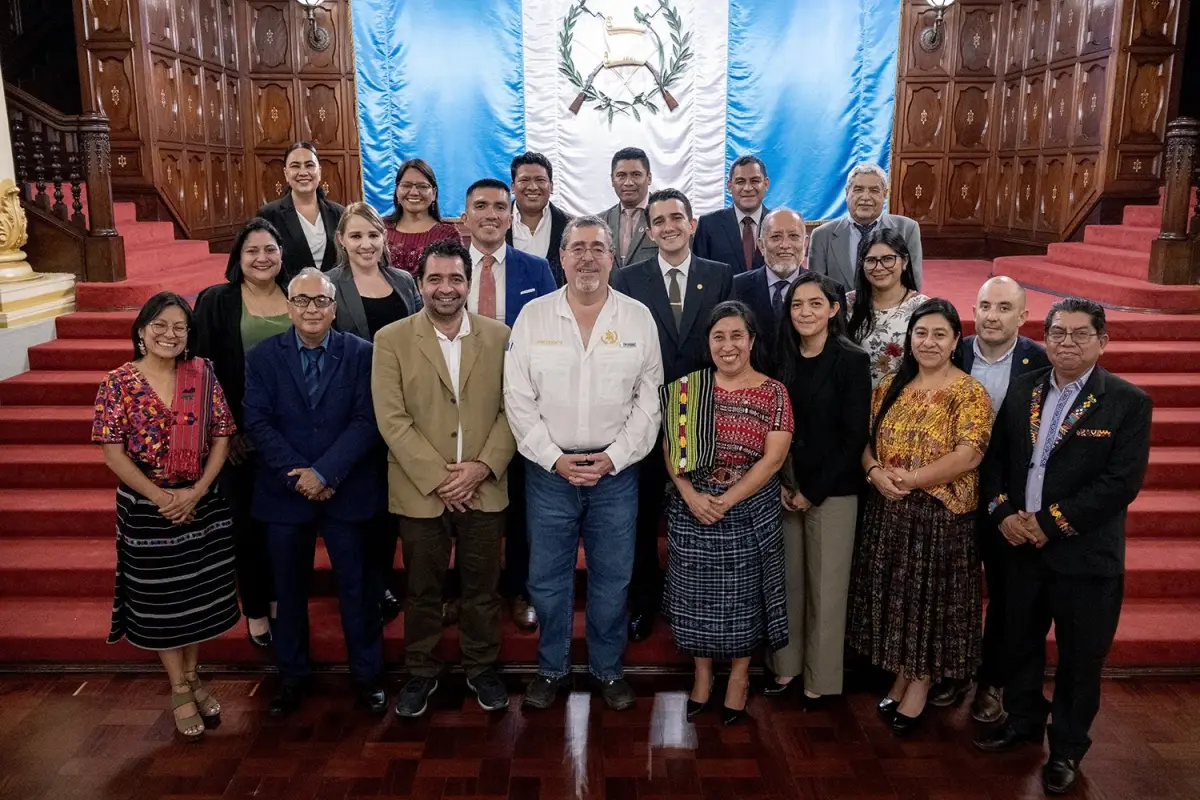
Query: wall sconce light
[[931, 37], [318, 37]]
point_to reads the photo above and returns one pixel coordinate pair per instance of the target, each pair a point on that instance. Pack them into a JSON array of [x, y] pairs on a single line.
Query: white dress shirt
[[560, 395], [683, 274], [315, 236], [452, 353], [497, 271], [535, 242]]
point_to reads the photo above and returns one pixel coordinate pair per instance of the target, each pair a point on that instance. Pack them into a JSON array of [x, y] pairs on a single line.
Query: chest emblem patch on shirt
[[609, 337]]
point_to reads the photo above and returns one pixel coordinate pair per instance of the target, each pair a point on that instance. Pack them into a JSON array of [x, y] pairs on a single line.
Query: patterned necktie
[[487, 287], [748, 242], [675, 296], [777, 297], [864, 230], [312, 368]]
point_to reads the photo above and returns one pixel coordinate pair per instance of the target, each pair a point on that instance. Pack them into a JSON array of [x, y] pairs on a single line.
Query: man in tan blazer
[[437, 385]]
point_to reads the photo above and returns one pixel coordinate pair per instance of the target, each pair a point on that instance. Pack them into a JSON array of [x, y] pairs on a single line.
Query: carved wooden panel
[[214, 106], [229, 45], [1039, 33], [185, 20], [320, 114], [1033, 109], [160, 22], [165, 98], [269, 38], [210, 31], [1090, 102], [1083, 182], [1067, 24], [233, 111], [1060, 107], [193, 102], [219, 189], [353, 190], [196, 202], [113, 81], [972, 117], [1139, 166], [271, 184], [924, 112], [273, 114], [126, 162], [352, 115], [237, 189], [1026, 194], [1017, 36], [1154, 22], [1010, 114], [978, 39], [333, 181], [921, 63], [965, 189], [1098, 32], [329, 59], [1052, 194], [107, 20], [1004, 194], [919, 187], [1143, 119], [170, 176]]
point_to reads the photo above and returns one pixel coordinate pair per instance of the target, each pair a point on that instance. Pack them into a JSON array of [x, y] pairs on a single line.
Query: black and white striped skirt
[[175, 584]]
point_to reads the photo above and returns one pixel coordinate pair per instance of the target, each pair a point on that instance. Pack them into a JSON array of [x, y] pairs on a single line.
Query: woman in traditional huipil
[[165, 426], [915, 605], [885, 294], [416, 221], [728, 429]]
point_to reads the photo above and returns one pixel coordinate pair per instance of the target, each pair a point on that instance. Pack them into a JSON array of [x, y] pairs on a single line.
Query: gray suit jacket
[[640, 246], [350, 316], [829, 251]]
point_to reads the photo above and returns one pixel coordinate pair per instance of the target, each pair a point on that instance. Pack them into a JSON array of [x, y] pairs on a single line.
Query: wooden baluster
[[105, 251], [56, 173], [37, 140], [20, 162], [1174, 258], [75, 175]]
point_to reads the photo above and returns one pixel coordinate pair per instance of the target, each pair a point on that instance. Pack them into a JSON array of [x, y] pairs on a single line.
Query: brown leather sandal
[[191, 727], [210, 708]]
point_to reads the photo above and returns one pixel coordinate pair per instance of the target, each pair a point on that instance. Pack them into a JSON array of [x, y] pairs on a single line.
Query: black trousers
[[516, 536], [1085, 610], [646, 585], [995, 552], [380, 536], [255, 585]]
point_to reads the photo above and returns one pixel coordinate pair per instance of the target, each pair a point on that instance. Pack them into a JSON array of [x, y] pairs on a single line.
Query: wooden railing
[[56, 156], [1175, 254]]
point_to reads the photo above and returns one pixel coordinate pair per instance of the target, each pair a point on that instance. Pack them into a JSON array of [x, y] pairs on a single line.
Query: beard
[[784, 269], [587, 283]]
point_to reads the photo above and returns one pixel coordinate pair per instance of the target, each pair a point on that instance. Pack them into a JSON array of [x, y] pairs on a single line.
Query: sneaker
[[541, 692], [988, 705], [618, 695], [414, 697], [489, 690]]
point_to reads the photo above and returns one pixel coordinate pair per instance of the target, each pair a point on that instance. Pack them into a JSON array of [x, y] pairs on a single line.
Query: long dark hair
[[862, 321], [233, 269], [787, 355], [736, 308], [421, 166], [155, 306], [908, 365]]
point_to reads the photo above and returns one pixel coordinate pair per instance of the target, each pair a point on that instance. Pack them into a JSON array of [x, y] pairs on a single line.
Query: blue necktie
[[312, 368], [777, 297]]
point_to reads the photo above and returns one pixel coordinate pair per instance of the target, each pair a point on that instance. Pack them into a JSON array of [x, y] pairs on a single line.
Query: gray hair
[[312, 272], [762, 231], [587, 222], [867, 169]]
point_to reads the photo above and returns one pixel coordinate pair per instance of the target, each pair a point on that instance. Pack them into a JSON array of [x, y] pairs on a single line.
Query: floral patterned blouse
[[922, 426], [885, 342], [130, 412]]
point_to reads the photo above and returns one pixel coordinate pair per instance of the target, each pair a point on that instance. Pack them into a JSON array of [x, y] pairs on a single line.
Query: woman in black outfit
[[231, 318], [305, 218]]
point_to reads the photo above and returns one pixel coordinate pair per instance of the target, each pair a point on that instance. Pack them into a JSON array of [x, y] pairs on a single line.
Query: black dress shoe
[[262, 640], [640, 627], [948, 692], [389, 607], [903, 725], [373, 699], [1059, 774], [887, 708], [773, 688], [1003, 738], [818, 703], [694, 708], [286, 701], [732, 716]]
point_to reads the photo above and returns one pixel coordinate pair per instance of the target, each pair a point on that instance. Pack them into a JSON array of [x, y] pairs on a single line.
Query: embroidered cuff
[[997, 501], [1064, 527]]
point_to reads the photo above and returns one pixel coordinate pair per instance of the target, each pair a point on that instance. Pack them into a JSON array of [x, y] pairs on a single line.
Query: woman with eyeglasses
[[916, 607], [416, 221], [164, 424], [885, 294], [304, 216]]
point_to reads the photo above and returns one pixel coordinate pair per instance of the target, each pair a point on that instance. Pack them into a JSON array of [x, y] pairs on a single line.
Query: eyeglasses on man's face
[[302, 301], [596, 250], [160, 327], [1079, 336]]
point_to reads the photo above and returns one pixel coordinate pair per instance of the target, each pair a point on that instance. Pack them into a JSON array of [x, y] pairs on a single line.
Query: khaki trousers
[[818, 548]]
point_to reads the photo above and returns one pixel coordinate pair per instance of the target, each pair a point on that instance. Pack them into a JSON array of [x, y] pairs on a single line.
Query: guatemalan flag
[[806, 85]]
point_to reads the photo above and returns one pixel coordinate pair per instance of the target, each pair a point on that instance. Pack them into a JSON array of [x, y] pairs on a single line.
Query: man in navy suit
[[731, 234], [783, 240], [680, 290], [537, 224], [308, 413]]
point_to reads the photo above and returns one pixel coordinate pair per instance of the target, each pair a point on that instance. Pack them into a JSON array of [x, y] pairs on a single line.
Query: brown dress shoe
[[988, 705], [524, 615]]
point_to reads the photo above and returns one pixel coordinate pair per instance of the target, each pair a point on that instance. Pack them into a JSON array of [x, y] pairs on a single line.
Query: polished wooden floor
[[110, 737]]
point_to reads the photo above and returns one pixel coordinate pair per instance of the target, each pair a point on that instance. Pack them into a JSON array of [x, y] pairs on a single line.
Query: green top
[[255, 329]]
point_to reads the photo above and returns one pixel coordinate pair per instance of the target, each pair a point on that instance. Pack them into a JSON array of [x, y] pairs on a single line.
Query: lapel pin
[[699, 286], [1025, 361]]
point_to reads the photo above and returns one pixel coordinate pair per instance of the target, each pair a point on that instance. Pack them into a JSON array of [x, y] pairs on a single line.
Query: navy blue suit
[[752, 288], [334, 433], [525, 277], [719, 238]]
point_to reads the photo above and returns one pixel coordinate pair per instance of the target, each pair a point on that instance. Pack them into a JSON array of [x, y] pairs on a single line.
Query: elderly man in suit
[[308, 413], [1068, 455], [783, 240], [730, 235], [834, 250], [627, 219], [537, 224], [437, 383], [681, 290]]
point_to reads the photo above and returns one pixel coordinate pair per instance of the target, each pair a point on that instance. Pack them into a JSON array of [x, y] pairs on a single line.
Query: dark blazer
[[296, 256], [1028, 357], [829, 248], [641, 247], [752, 289], [558, 222], [833, 421], [350, 315], [1096, 468], [525, 277], [708, 283], [219, 339], [334, 433], [719, 238]]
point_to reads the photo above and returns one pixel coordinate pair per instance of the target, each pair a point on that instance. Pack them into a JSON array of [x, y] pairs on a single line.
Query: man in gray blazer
[[627, 219], [834, 247]]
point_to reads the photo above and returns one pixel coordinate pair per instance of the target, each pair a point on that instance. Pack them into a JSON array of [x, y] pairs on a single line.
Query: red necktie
[[487, 287], [748, 241]]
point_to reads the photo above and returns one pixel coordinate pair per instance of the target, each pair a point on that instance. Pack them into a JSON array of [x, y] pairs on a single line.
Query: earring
[[185, 354], [142, 346]]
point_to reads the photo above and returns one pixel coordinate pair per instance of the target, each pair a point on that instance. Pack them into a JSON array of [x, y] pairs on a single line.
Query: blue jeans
[[605, 515]]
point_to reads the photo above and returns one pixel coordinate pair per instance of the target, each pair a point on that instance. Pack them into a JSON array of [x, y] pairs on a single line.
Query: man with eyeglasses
[[537, 224], [834, 250], [783, 240], [1068, 454], [581, 380], [308, 413], [731, 235]]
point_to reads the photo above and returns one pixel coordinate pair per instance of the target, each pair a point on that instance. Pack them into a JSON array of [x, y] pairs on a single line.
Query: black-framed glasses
[[1080, 336], [876, 262], [302, 301]]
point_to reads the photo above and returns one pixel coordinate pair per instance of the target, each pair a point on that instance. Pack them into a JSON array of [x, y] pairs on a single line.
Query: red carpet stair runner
[[57, 507]]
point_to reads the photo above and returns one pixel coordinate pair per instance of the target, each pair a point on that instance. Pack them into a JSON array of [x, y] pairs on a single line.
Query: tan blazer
[[419, 418]]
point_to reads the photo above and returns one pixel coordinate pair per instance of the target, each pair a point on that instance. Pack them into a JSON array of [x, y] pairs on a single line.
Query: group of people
[[832, 455]]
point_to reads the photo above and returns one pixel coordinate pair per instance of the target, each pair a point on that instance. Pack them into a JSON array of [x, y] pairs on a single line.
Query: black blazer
[[1029, 356], [1095, 470], [833, 420], [719, 238], [751, 288], [296, 255], [558, 221], [351, 317], [219, 339], [684, 349]]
